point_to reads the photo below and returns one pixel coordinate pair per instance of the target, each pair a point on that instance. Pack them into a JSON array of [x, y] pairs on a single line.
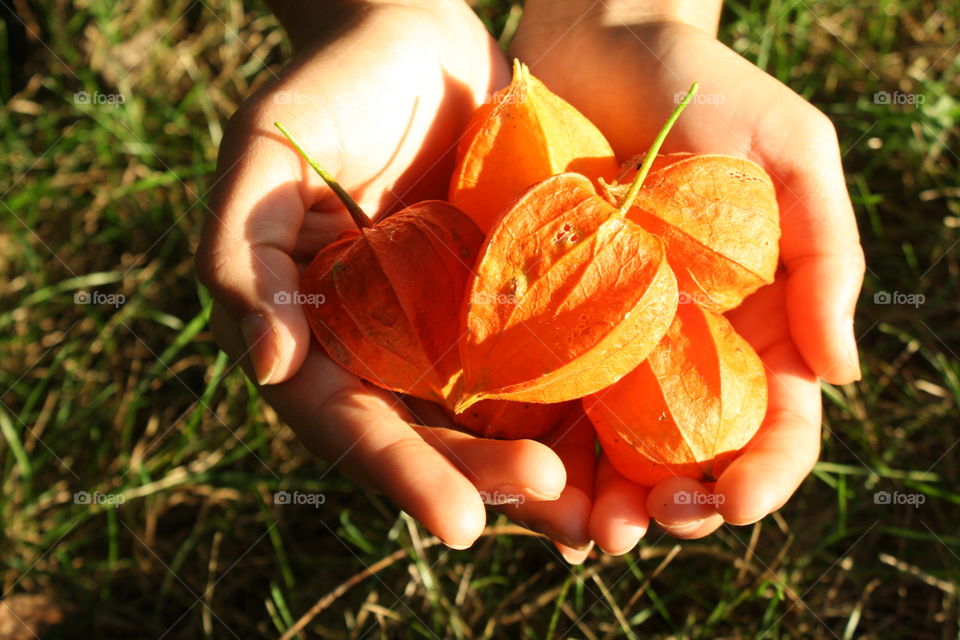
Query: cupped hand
[[627, 76], [760, 480], [379, 95]]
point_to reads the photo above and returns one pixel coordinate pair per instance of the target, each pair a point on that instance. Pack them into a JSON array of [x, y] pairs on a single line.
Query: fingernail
[[581, 547], [544, 497], [554, 533], [616, 552], [743, 523], [853, 356], [682, 527], [457, 547], [261, 343], [516, 495], [576, 557]]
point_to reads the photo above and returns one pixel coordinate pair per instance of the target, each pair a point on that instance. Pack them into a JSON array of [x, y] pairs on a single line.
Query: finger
[[573, 556], [762, 319], [619, 517], [679, 501], [820, 246], [245, 255], [822, 294], [360, 429], [244, 252], [779, 457], [694, 530], [566, 519], [427, 413], [574, 440], [385, 452], [504, 471]]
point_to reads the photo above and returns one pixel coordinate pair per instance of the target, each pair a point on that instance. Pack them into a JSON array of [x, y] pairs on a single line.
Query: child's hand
[[627, 74], [380, 95], [758, 482]]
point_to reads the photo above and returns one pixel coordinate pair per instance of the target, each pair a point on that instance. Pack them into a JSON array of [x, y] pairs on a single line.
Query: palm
[[740, 111], [788, 443], [384, 118], [380, 104]]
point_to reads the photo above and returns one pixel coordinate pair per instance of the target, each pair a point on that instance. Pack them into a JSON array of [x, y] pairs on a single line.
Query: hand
[[566, 519], [379, 93], [758, 482], [626, 74]]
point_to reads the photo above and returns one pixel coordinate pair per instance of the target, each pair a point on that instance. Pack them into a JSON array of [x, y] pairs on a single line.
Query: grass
[[134, 401]]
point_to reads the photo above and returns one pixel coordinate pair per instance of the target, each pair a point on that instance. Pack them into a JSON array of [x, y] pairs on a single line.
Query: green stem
[[652, 152], [359, 217]]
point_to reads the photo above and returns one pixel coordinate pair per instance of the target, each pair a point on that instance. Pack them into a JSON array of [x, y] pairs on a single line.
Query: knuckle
[[858, 261], [211, 267], [822, 131], [206, 266], [251, 119], [408, 453], [398, 451], [851, 261], [244, 119]]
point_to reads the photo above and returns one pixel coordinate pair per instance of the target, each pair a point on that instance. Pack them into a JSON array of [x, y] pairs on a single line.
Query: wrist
[[702, 14]]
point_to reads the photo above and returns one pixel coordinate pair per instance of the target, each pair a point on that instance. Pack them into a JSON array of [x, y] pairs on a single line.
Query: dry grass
[[134, 401]]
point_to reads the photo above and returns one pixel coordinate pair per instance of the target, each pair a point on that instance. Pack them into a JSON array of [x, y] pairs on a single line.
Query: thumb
[[245, 255]]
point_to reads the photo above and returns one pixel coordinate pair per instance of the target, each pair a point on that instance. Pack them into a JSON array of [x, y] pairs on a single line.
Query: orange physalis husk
[[385, 302], [566, 298], [717, 216], [508, 420], [392, 295], [523, 135], [687, 410], [391, 298]]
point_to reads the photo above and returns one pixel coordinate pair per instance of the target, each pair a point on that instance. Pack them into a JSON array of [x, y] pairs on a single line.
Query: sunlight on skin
[[802, 325], [773, 463], [272, 215], [434, 474], [756, 117], [526, 467], [564, 519], [619, 518], [675, 501]]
